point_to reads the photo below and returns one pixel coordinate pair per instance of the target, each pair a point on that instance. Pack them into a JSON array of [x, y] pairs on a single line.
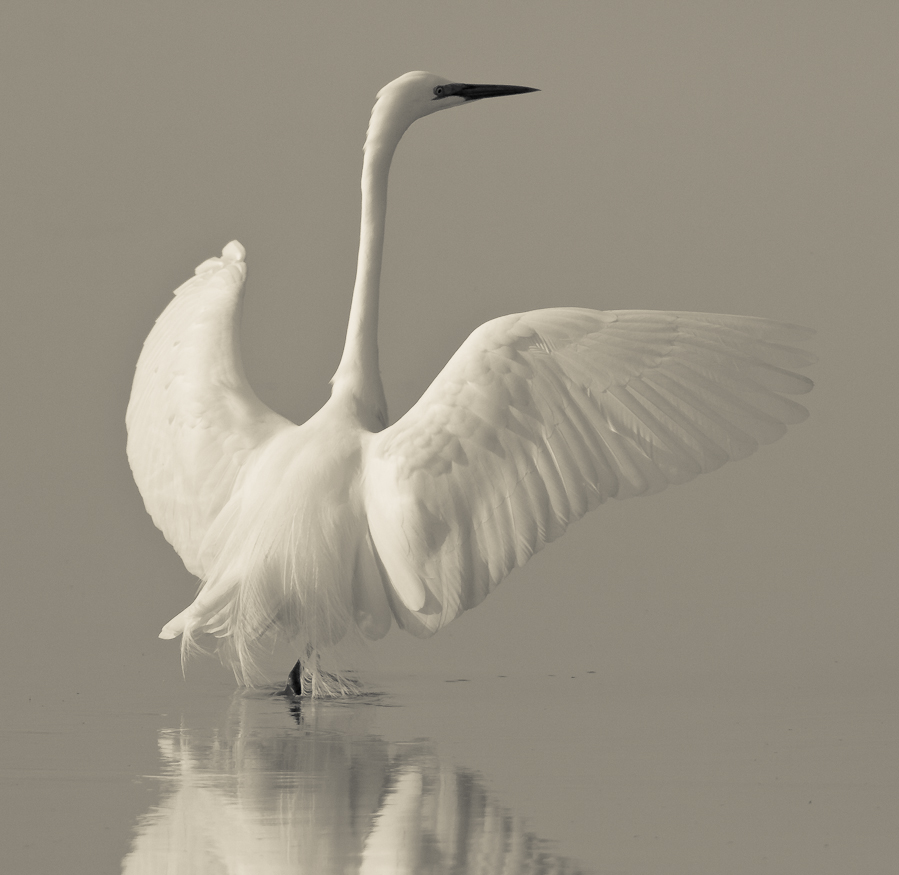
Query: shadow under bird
[[305, 532]]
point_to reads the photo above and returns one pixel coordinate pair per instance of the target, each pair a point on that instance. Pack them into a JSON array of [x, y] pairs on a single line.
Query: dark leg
[[294, 686], [295, 681]]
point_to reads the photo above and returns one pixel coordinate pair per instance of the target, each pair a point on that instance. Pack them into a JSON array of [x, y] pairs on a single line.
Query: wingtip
[[233, 253]]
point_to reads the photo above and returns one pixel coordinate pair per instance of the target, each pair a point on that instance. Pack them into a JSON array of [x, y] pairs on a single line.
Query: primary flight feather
[[305, 532]]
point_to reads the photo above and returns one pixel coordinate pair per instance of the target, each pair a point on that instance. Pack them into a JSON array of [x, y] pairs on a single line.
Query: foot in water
[[310, 682]]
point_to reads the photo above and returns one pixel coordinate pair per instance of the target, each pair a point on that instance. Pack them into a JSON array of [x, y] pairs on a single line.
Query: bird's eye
[[438, 91]]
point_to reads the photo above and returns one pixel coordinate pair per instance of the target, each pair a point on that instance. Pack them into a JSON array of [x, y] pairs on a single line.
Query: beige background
[[730, 157]]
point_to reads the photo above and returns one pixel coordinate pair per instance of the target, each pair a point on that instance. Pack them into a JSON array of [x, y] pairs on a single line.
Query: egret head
[[415, 95]]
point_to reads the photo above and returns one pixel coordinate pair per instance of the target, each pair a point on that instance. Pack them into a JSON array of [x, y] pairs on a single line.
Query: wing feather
[[542, 416], [193, 421]]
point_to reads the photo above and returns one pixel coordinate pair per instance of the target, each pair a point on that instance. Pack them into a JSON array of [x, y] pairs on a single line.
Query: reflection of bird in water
[[306, 532], [262, 796]]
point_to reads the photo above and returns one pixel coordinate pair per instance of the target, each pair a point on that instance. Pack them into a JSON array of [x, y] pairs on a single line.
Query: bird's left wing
[[193, 420], [541, 416]]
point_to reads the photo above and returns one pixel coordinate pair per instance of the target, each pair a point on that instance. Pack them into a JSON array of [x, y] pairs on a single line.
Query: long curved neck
[[358, 376]]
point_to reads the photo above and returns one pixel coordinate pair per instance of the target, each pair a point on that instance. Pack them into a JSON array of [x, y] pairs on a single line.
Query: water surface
[[562, 774]]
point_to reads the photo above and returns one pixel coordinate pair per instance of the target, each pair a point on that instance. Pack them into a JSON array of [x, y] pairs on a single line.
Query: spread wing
[[542, 416], [193, 421]]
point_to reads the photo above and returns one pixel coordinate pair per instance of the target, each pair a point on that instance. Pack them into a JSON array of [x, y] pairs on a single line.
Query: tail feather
[[262, 588]]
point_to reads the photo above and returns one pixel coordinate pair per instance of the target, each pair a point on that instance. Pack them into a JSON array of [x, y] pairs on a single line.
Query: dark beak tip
[[479, 92]]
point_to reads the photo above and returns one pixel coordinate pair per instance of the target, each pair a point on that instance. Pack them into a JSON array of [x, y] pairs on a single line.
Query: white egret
[[303, 532]]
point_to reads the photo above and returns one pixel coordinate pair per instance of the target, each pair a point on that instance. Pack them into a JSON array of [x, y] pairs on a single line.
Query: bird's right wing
[[193, 420], [542, 416]]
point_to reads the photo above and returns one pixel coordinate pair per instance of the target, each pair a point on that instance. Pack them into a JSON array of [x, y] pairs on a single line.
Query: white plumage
[[307, 531]]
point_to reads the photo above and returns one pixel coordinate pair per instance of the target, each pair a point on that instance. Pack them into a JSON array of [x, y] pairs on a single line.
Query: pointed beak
[[479, 92]]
